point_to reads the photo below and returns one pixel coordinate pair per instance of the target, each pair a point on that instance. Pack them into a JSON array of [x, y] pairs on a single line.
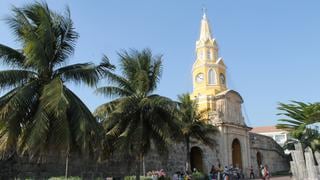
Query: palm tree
[[39, 113], [193, 124], [137, 118], [299, 116]]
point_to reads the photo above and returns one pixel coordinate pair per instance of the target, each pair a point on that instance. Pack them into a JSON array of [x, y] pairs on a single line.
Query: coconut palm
[[298, 116], [39, 113], [137, 118], [194, 125]]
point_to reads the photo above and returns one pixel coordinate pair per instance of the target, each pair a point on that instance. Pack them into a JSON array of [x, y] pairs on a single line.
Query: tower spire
[[205, 32], [204, 11]]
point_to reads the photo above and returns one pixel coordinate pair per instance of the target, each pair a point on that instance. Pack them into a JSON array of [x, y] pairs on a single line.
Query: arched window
[[211, 77], [200, 54], [222, 79]]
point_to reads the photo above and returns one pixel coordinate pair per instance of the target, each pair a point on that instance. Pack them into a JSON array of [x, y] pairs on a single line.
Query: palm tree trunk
[[139, 166], [143, 166], [67, 165], [188, 154]]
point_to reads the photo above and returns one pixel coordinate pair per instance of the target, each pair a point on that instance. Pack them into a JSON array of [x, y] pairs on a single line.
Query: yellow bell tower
[[209, 70]]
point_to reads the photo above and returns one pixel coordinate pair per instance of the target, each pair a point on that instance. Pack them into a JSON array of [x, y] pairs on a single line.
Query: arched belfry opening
[[236, 154], [196, 159]]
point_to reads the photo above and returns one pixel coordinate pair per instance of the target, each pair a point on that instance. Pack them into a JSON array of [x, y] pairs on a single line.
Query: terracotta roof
[[265, 129]]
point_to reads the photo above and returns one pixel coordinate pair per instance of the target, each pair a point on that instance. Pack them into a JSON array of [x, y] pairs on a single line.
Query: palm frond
[[87, 73], [103, 110], [54, 98], [35, 138], [11, 57], [113, 91], [298, 116], [14, 78], [66, 37], [83, 126], [16, 108]]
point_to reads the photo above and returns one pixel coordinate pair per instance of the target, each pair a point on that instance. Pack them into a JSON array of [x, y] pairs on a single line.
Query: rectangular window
[[280, 138]]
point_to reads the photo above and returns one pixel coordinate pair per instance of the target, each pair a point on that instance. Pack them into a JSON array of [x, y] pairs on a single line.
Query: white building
[[280, 136]]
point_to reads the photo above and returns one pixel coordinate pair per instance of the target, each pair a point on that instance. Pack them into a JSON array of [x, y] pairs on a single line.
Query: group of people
[[230, 172], [264, 172], [181, 176], [226, 173]]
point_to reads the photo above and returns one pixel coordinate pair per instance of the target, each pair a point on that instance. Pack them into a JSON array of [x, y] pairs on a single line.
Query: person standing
[[212, 173], [266, 173], [251, 173], [261, 171]]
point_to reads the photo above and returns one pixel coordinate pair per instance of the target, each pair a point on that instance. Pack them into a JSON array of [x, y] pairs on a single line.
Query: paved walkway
[[279, 178]]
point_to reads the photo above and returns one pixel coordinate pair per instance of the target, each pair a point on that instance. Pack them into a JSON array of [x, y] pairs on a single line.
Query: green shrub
[[134, 178], [198, 176], [164, 178], [63, 178]]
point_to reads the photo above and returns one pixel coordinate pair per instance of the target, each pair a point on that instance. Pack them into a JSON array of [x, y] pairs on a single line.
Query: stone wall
[[118, 166], [271, 154], [53, 166], [176, 159]]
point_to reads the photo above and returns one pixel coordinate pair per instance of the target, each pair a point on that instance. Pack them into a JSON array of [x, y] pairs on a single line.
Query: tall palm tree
[[39, 113], [298, 116], [193, 124], [137, 118]]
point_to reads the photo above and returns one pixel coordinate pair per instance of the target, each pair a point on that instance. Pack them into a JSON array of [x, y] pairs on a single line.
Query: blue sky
[[271, 47]]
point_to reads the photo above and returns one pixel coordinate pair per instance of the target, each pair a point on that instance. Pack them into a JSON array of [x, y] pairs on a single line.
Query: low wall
[[271, 154]]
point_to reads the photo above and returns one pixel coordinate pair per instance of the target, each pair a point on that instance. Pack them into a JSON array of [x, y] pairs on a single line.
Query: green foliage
[[134, 178], [164, 178], [39, 112], [137, 119], [298, 116], [63, 178], [199, 176], [193, 123]]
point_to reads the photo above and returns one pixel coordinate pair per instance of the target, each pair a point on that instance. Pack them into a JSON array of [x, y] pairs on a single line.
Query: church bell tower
[[209, 70]]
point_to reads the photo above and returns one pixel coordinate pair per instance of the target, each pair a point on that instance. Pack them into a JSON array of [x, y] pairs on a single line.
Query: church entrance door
[[259, 159], [196, 158], [236, 154]]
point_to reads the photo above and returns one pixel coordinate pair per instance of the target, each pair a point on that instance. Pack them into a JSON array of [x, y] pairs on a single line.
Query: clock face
[[199, 77]]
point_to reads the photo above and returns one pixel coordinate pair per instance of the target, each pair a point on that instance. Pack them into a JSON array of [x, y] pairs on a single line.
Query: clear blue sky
[[271, 47]]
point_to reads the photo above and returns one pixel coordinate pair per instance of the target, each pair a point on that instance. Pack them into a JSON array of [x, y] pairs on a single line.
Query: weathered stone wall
[[118, 166], [53, 166], [271, 154], [176, 159]]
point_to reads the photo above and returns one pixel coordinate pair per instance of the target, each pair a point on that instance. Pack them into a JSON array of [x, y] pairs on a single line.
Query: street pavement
[[279, 178]]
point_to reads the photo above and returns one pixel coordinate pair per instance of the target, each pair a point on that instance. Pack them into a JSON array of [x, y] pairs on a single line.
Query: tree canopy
[[39, 113], [297, 118], [137, 118]]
